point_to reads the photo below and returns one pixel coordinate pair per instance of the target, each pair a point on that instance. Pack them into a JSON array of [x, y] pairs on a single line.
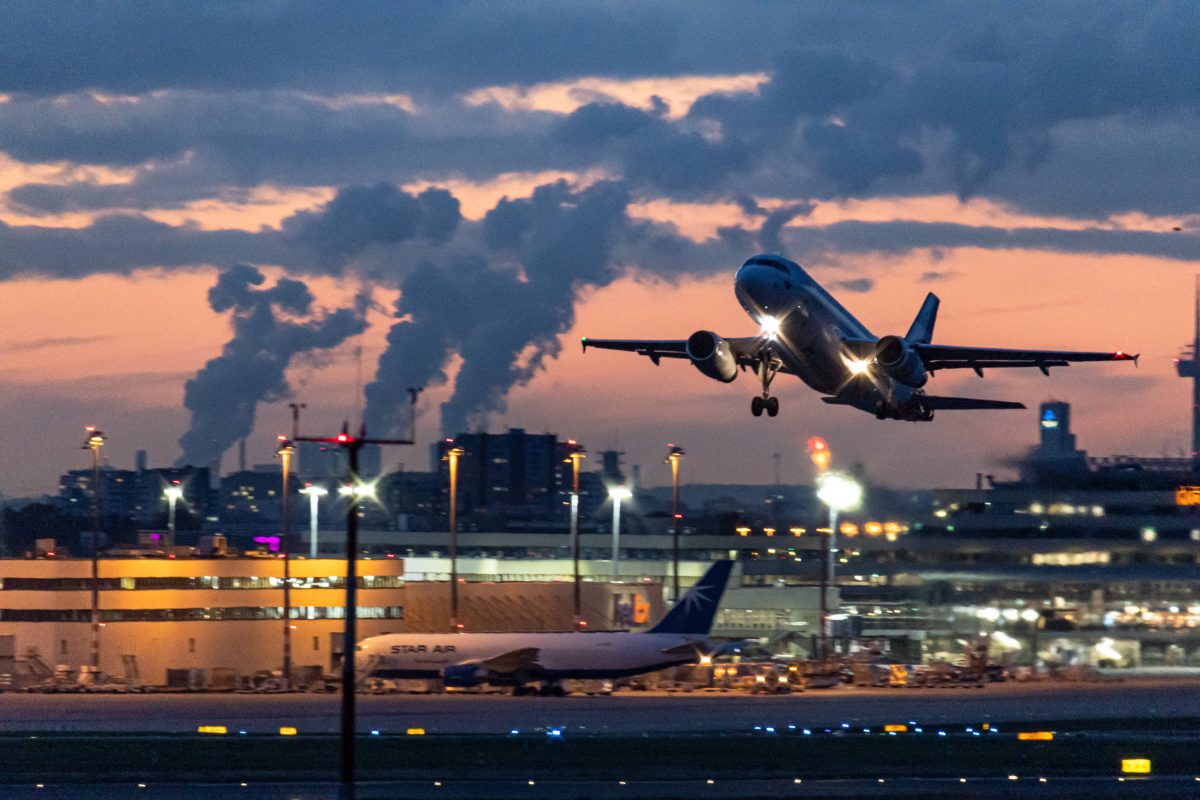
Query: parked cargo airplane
[[807, 333], [521, 659]]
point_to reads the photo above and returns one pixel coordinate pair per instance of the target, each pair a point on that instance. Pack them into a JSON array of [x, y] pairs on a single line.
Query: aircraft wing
[[744, 348], [524, 659], [937, 403], [941, 356]]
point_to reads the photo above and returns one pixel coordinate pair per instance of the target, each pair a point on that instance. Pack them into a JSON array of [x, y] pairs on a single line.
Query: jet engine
[[712, 355], [899, 361], [462, 676]]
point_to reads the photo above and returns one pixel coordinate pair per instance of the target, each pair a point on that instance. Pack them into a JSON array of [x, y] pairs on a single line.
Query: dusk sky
[[208, 210]]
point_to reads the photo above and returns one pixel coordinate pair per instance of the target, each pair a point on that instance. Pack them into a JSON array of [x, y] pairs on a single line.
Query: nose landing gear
[[768, 365]]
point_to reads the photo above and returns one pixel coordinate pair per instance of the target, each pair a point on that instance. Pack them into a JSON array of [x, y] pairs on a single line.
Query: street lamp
[[173, 492], [284, 453], [452, 456], [315, 493], [674, 456], [617, 493], [575, 454], [839, 492], [95, 440]]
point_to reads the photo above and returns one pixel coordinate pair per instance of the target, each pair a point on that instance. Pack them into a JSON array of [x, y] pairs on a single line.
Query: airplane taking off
[[519, 659], [807, 333]]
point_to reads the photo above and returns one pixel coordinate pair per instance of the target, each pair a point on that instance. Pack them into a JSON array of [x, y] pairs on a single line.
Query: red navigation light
[[90, 428], [816, 444], [1120, 354], [679, 516], [281, 438], [571, 442], [343, 437]]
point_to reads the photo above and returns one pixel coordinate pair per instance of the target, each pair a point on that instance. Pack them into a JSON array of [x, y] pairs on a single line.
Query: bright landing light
[[770, 326], [858, 366]]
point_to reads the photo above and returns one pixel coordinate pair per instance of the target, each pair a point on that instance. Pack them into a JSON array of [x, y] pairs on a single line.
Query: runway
[[623, 714]]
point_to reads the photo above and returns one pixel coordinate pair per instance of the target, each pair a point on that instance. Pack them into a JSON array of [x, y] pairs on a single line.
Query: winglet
[[583, 341], [1121, 355]]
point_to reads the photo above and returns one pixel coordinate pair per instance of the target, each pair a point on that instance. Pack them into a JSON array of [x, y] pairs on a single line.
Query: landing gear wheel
[[772, 404], [756, 406]]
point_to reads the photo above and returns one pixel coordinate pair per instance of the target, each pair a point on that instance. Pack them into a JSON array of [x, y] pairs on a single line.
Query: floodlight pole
[[284, 452], [94, 442], [827, 579], [616, 538], [452, 456], [353, 444], [674, 455], [575, 453]]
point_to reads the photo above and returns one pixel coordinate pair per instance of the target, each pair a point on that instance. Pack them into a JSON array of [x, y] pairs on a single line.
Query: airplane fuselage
[[812, 327], [560, 656]]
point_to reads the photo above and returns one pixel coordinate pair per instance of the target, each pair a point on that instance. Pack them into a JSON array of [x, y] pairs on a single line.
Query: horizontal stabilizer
[[965, 403]]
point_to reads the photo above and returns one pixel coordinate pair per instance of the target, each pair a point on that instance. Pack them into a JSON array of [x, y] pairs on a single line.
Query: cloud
[[1023, 107], [52, 342], [856, 284], [360, 216]]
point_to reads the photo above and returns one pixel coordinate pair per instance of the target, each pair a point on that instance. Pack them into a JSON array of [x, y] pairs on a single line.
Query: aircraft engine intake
[[900, 361], [712, 355], [462, 676]]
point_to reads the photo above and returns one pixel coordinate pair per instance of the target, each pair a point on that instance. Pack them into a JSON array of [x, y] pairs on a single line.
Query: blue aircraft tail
[[921, 331], [695, 611]]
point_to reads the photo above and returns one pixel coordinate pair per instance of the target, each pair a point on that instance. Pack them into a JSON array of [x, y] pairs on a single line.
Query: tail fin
[[921, 331], [695, 611]]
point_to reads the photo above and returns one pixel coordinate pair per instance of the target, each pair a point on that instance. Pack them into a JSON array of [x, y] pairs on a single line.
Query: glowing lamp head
[[839, 491], [769, 326], [619, 493]]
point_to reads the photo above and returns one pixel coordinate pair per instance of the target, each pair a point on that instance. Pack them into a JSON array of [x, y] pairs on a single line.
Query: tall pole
[[286, 448], [617, 493], [827, 579], [616, 538], [295, 407], [575, 453], [314, 498], [94, 442], [674, 456], [352, 444], [172, 497], [452, 455], [350, 637]]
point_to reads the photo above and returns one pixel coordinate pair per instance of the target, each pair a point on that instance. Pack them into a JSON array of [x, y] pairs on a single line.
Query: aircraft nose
[[757, 287]]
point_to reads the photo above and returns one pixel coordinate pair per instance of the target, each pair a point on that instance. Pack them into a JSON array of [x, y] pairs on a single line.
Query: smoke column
[[225, 393]]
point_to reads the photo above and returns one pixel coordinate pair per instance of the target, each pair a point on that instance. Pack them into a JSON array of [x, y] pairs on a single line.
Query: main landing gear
[[760, 404], [768, 364]]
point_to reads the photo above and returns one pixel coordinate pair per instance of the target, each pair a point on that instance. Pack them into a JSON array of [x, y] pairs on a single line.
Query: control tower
[[1188, 365]]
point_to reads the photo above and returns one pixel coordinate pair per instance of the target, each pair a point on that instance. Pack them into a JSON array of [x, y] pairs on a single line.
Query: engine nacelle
[[712, 355], [463, 676], [900, 362]]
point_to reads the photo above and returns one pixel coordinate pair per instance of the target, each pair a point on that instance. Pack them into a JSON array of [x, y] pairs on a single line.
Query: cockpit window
[[770, 262]]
